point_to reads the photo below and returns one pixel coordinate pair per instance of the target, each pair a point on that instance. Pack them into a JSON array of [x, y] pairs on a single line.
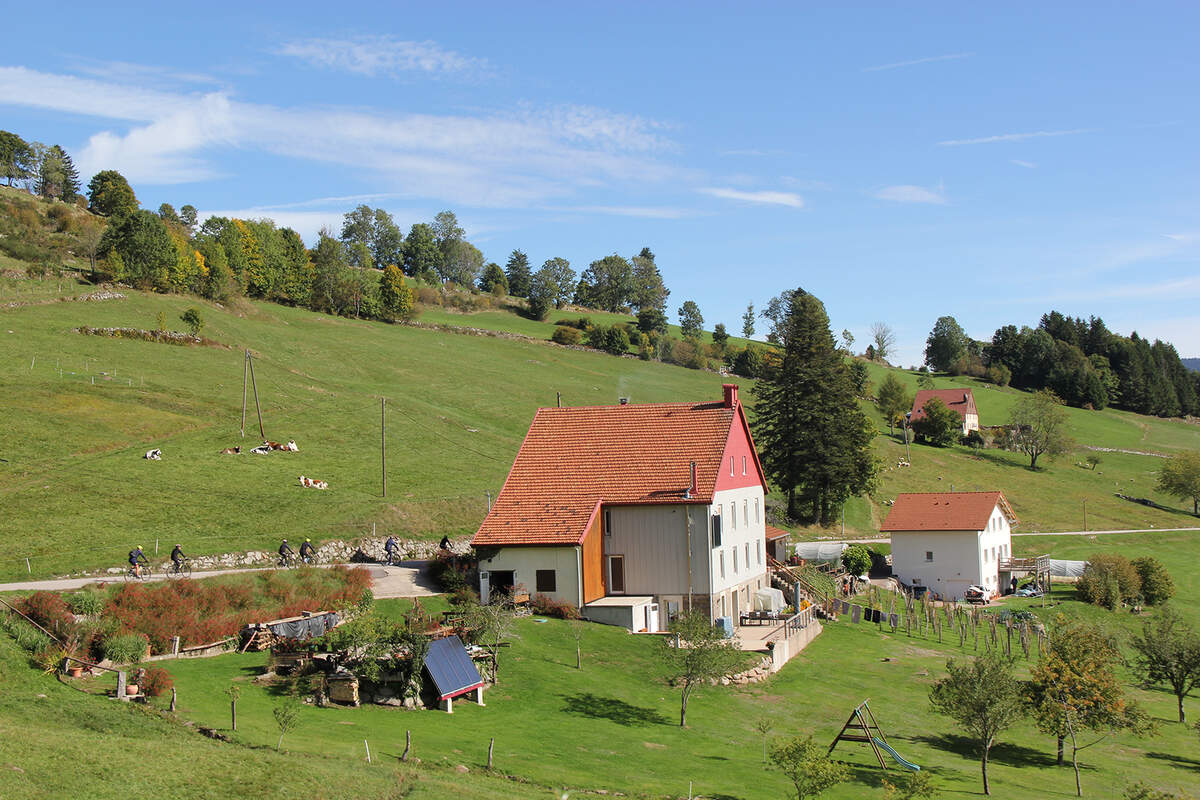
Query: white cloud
[[915, 61], [1183, 238], [141, 74], [1014, 137], [912, 194], [381, 55], [487, 159], [767, 198], [305, 223], [1020, 163]]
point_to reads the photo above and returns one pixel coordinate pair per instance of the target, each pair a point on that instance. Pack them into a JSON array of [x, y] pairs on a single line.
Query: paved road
[[1037, 533], [405, 580]]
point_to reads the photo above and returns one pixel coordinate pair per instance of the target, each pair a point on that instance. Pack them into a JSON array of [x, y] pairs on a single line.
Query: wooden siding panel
[[593, 561]]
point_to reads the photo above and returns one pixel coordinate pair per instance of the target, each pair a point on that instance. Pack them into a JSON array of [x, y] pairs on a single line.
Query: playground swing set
[[862, 727]]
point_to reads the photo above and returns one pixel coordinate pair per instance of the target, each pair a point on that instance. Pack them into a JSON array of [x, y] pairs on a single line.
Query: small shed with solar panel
[[452, 672]]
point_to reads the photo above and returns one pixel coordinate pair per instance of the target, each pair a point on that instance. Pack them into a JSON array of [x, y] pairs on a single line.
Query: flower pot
[[131, 689], [75, 672]]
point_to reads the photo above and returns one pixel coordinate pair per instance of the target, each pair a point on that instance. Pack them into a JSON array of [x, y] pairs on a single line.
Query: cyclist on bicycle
[[136, 559], [177, 557], [285, 552], [307, 551], [391, 547]]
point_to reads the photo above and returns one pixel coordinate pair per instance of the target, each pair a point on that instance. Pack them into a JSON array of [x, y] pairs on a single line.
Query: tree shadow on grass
[[1013, 755], [618, 711], [1176, 760]]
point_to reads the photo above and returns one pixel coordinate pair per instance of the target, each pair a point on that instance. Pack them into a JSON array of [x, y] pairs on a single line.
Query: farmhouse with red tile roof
[[960, 400], [628, 510], [947, 541]]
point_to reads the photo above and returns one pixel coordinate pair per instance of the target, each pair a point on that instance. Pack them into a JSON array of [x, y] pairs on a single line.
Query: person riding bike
[[391, 547], [285, 552], [177, 557], [307, 551], [136, 559]]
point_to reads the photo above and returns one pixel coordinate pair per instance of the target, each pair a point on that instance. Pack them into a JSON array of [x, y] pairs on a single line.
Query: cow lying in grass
[[153, 455], [290, 446], [261, 450], [312, 483], [232, 451]]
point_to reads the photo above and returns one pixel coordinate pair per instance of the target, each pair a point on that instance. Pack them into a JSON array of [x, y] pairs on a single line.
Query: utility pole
[[1085, 514], [254, 386], [907, 456], [383, 443], [245, 378]]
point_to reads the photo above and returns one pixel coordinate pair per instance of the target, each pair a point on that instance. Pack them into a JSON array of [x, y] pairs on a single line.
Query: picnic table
[[757, 618]]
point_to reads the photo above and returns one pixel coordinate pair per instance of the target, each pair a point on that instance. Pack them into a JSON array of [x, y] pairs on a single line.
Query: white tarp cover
[[830, 552], [1066, 569], [769, 599]]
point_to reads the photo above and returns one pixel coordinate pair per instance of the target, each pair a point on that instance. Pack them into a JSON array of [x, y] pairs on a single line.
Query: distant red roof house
[[946, 511], [959, 400], [657, 503]]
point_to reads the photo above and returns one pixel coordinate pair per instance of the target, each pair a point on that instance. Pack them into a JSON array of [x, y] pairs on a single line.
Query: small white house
[[947, 541], [960, 401]]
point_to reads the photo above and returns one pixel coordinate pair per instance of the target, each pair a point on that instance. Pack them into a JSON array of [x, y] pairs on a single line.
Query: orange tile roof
[[574, 459], [776, 533], [960, 400], [945, 511]]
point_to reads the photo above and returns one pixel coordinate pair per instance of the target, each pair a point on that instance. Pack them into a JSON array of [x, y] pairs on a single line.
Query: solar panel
[[451, 668]]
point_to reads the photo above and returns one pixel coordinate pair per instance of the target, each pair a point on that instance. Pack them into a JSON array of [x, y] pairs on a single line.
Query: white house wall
[[748, 534], [526, 561]]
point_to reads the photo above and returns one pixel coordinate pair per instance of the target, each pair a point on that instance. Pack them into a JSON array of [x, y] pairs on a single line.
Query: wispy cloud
[[649, 212], [504, 158], [1014, 137], [767, 198], [749, 152], [1020, 163], [916, 61], [141, 74], [1191, 237], [912, 194], [382, 56]]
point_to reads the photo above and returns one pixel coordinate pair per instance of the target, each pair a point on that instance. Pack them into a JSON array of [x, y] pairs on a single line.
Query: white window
[[722, 563], [731, 466], [735, 561], [929, 555], [747, 555], [733, 516], [743, 465], [757, 518], [758, 550], [746, 513]]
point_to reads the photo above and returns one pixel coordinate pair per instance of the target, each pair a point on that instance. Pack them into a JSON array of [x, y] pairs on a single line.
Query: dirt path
[[405, 580], [878, 540]]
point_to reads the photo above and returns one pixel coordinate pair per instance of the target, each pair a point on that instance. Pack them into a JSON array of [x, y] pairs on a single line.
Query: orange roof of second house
[[945, 511], [960, 400], [573, 459]]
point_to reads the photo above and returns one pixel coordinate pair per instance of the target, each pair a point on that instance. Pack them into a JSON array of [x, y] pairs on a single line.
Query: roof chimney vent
[[623, 400], [731, 394], [691, 490]]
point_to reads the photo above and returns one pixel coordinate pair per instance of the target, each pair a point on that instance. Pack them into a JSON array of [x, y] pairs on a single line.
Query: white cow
[[153, 455], [261, 450]]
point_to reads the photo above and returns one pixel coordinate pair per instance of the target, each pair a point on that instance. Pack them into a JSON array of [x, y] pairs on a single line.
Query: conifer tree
[[814, 438], [518, 274]]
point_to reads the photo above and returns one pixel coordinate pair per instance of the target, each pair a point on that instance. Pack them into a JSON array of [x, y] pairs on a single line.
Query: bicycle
[[288, 561], [146, 574], [181, 570]]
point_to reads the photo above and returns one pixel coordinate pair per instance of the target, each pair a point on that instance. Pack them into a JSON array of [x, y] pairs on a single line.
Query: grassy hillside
[[82, 410]]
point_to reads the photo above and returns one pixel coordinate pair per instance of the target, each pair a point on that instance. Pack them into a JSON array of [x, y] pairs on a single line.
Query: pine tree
[[814, 438], [518, 274]]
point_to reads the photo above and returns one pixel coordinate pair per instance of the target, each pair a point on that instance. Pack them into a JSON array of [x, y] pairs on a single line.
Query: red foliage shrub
[[49, 610], [549, 607], [156, 682], [201, 612]]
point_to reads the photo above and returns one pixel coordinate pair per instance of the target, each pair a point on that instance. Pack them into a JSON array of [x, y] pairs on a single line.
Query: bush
[[569, 336], [856, 559], [125, 648], [581, 323], [1109, 580], [86, 604], [974, 439], [549, 607], [49, 610], [157, 681], [999, 374], [1157, 586]]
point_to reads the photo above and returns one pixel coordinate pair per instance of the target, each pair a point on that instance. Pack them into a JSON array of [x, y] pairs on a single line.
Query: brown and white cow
[[232, 451]]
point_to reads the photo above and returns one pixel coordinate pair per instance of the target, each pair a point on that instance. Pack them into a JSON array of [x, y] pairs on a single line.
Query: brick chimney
[[731, 398]]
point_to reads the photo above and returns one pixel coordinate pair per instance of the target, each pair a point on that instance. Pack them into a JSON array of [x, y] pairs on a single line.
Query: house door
[[652, 617], [501, 582], [616, 574]]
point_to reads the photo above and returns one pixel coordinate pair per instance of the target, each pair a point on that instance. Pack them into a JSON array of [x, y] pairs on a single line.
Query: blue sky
[[899, 163]]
